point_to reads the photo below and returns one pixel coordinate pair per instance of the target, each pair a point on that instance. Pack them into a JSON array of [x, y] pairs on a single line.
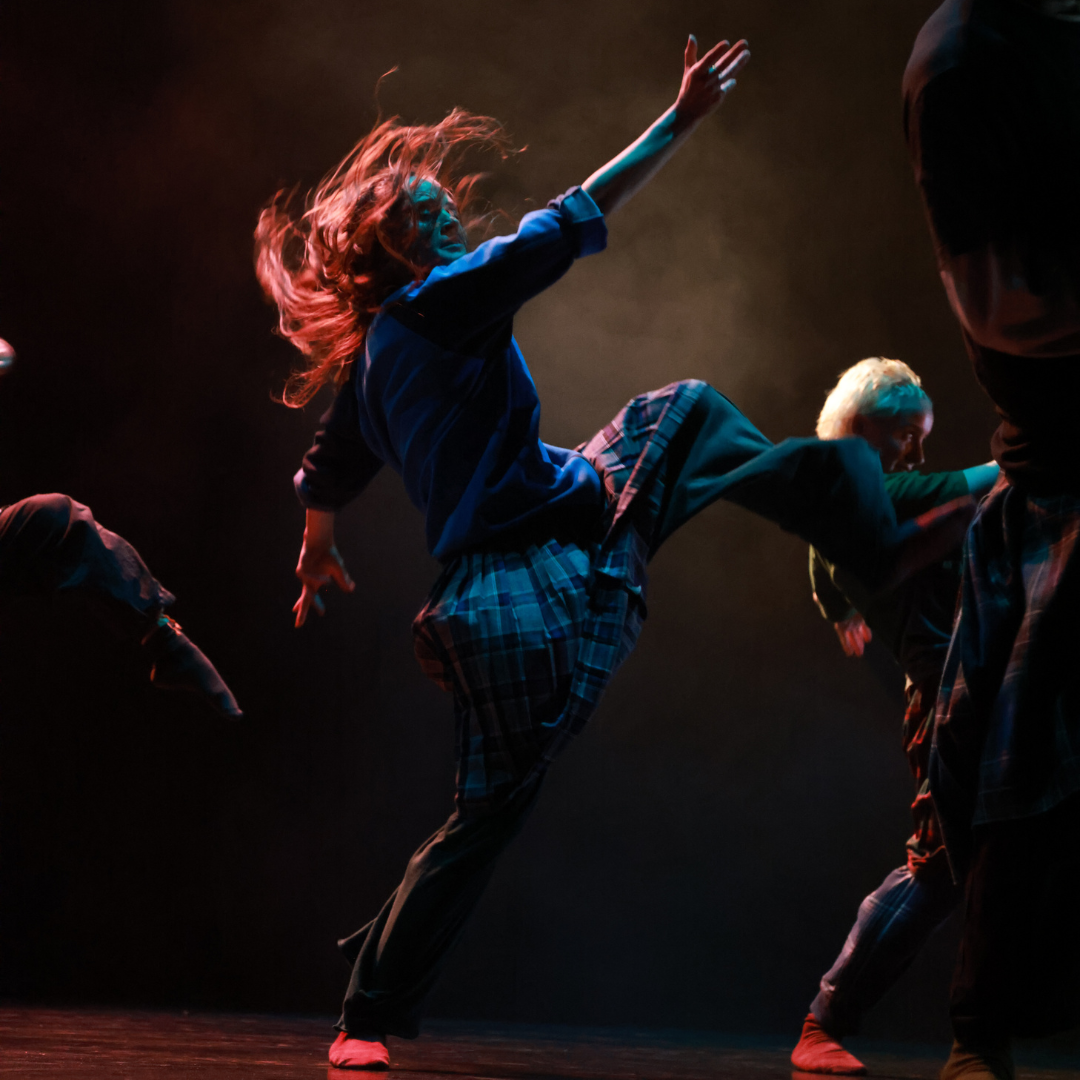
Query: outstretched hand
[[706, 82], [854, 635], [318, 567]]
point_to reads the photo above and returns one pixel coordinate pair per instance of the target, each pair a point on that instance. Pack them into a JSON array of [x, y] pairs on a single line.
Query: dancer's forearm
[[981, 478], [624, 176], [704, 86], [319, 530]]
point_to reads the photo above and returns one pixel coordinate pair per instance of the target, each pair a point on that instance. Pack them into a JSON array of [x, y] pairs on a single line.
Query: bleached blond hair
[[872, 387]]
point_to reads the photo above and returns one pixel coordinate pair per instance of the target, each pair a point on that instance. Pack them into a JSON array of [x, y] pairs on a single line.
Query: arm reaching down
[[705, 84], [320, 563], [849, 625], [854, 635]]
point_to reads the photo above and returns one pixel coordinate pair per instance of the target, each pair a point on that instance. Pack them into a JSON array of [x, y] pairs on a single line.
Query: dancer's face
[[441, 236], [897, 439]]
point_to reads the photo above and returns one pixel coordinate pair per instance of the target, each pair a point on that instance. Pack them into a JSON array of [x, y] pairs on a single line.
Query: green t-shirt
[[914, 620]]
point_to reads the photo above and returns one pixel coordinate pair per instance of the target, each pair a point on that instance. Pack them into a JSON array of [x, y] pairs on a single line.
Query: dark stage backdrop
[[699, 854]]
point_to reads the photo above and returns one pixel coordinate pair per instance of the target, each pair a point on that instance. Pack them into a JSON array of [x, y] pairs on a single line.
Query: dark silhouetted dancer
[[992, 116], [544, 549], [50, 543], [883, 402]]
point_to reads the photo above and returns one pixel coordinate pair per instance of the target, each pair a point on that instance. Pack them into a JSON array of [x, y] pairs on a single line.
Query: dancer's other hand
[[854, 635], [707, 81], [320, 563]]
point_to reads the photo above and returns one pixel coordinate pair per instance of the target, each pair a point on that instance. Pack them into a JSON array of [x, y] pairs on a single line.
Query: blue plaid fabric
[[1007, 738], [893, 924], [527, 640]]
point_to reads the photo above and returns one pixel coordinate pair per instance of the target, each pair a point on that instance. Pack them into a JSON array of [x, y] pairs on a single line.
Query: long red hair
[[330, 269]]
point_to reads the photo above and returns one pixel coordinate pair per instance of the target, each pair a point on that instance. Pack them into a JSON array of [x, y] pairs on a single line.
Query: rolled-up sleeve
[[582, 220], [340, 464], [459, 302]]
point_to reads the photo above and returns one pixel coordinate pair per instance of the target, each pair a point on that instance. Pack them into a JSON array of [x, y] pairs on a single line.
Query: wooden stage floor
[[132, 1045]]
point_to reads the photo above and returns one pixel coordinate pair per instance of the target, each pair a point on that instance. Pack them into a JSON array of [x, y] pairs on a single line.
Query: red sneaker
[[351, 1053], [819, 1052]]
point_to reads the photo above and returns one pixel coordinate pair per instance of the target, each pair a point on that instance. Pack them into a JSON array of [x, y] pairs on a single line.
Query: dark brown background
[[700, 853]]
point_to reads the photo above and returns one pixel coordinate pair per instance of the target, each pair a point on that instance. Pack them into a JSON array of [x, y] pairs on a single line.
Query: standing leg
[[399, 954], [1018, 970], [893, 924], [50, 543]]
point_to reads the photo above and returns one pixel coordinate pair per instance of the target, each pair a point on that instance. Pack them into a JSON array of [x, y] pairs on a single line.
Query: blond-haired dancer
[[883, 402]]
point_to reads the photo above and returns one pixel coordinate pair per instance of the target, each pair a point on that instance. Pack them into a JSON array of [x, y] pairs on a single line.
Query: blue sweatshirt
[[442, 394]]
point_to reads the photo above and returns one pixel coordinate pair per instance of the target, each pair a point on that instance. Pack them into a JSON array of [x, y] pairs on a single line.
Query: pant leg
[[397, 957], [51, 542], [893, 924], [829, 492], [1018, 970]]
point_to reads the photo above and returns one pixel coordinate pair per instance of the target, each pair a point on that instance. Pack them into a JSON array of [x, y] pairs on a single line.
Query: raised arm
[[705, 84]]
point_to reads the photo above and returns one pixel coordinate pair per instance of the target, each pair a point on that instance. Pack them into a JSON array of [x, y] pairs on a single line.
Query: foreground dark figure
[[51, 543], [992, 110], [544, 549]]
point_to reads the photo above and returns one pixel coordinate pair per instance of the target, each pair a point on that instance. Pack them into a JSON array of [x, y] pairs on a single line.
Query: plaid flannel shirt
[[527, 640], [1007, 738]]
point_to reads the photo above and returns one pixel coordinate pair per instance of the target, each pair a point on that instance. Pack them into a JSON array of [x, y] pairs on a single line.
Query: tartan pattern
[[894, 922], [925, 842], [527, 640], [1007, 739]]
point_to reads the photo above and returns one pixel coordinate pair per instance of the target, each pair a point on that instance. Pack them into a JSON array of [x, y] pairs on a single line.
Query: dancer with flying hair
[[543, 549]]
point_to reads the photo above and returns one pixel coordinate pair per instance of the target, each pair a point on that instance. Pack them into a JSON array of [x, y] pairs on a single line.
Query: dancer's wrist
[[319, 530]]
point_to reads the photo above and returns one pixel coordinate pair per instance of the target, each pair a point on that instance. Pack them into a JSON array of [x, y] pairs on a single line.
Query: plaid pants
[[893, 924], [897, 918]]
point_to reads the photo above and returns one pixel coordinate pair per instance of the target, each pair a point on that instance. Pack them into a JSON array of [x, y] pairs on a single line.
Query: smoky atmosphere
[[701, 848]]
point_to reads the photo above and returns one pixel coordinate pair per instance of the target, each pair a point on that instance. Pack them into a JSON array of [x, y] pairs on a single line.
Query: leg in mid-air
[[829, 492]]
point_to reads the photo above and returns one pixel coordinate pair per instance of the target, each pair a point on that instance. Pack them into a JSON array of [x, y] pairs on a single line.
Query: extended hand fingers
[[301, 609], [309, 598], [726, 69], [341, 575], [709, 59], [690, 53]]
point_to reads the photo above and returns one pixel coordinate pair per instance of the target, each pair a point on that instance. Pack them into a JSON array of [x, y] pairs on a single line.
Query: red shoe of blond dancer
[[349, 1052], [819, 1052]]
